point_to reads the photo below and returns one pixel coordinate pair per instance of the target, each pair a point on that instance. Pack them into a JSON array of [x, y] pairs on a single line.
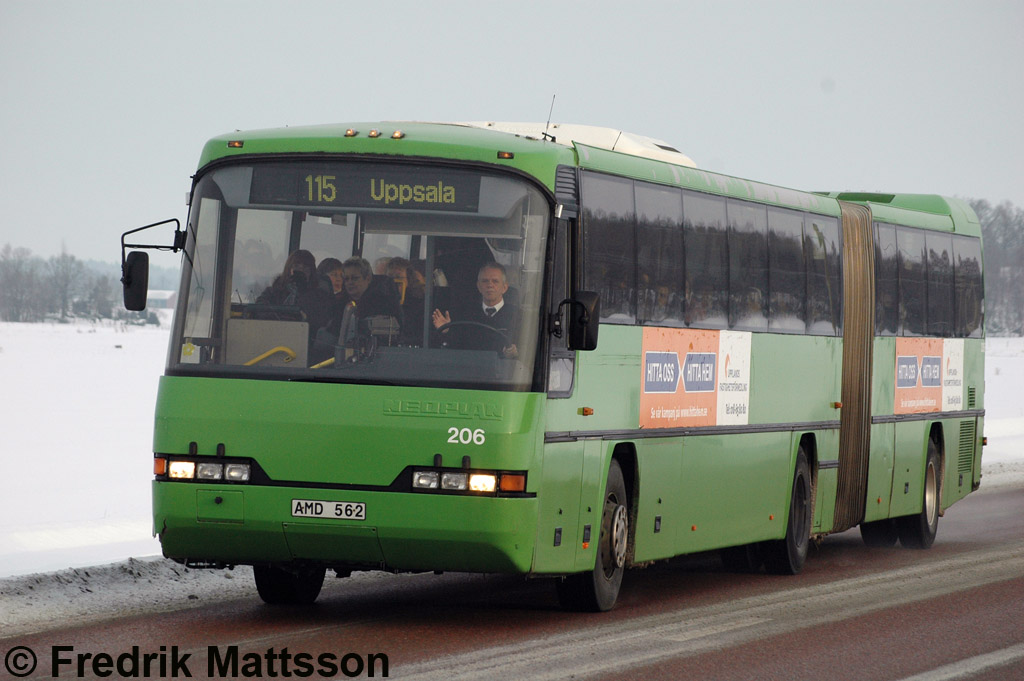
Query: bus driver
[[491, 310]]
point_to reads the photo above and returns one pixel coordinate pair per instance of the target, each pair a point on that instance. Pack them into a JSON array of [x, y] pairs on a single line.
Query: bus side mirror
[[584, 315], [135, 278]]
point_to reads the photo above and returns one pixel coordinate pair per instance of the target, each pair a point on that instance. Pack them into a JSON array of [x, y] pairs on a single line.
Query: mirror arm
[[179, 243], [556, 318]]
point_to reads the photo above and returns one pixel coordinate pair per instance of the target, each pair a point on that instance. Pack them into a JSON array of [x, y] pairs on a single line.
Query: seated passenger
[[364, 296], [412, 288], [296, 286], [489, 310], [330, 275]]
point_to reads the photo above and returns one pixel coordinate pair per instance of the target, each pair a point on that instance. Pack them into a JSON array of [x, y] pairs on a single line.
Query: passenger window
[[886, 281], [940, 284], [609, 244], [967, 284], [748, 266], [787, 275], [824, 276], [707, 261], [660, 244], [913, 282]]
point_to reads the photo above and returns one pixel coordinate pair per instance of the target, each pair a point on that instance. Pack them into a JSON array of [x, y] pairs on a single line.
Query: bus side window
[[748, 266], [913, 281], [967, 285], [660, 257], [707, 261], [787, 272], [609, 244], [824, 276], [886, 281], [940, 284]]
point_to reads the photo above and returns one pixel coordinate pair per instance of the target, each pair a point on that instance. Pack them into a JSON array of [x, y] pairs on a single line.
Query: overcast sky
[[105, 106]]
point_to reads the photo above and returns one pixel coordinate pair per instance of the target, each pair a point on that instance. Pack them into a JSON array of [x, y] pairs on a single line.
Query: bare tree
[[66, 279], [21, 296]]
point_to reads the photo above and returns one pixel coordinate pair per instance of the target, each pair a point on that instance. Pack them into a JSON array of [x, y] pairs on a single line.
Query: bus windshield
[[369, 272]]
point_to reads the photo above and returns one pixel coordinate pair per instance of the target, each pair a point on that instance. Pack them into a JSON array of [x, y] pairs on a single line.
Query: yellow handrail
[[280, 348]]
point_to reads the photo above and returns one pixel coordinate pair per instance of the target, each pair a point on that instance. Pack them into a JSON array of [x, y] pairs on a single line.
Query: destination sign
[[365, 186]]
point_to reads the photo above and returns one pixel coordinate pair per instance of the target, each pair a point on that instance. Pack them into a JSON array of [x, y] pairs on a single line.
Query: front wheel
[[918, 531], [597, 590], [786, 556], [278, 586]]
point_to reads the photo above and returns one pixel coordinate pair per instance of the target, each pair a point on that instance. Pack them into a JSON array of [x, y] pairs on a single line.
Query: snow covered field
[[76, 461]]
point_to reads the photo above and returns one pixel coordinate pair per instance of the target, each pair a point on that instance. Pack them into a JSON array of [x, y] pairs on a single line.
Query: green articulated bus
[[555, 351]]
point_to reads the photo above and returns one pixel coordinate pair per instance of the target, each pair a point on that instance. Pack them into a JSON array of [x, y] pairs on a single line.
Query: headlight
[[425, 479], [236, 472], [210, 471], [182, 470], [459, 481], [481, 482]]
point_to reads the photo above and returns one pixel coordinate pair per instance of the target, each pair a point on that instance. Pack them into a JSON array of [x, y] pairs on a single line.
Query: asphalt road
[[955, 611]]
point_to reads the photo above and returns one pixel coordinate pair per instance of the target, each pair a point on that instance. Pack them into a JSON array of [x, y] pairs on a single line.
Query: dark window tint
[[609, 245], [787, 275], [887, 265], [660, 245], [969, 300], [824, 276], [748, 266], [940, 284], [707, 261], [913, 282]]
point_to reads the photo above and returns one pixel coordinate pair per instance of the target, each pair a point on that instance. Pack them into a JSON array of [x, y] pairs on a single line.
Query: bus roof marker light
[[236, 144], [397, 135], [373, 134], [506, 155], [351, 132]]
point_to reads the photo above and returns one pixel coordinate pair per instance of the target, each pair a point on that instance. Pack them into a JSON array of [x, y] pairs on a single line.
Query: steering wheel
[[463, 331]]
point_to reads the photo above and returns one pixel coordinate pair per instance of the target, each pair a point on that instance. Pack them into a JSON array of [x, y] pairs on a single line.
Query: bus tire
[[918, 531], [786, 556], [278, 586], [597, 590]]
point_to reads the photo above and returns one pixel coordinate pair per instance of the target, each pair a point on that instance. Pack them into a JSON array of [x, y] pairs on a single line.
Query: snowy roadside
[[33, 603]]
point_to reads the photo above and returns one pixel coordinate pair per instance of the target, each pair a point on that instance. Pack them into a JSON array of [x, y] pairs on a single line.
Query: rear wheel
[[786, 556], [918, 531], [278, 586], [598, 589]]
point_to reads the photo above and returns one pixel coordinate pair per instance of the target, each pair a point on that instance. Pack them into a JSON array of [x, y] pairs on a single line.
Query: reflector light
[[182, 470], [480, 482], [159, 466], [236, 144], [506, 155], [512, 482]]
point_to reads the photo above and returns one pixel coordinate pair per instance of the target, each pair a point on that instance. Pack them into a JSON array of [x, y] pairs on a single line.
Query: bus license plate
[[340, 510]]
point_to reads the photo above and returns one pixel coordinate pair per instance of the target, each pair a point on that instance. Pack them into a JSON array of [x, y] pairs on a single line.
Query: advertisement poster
[[929, 375], [694, 377]]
